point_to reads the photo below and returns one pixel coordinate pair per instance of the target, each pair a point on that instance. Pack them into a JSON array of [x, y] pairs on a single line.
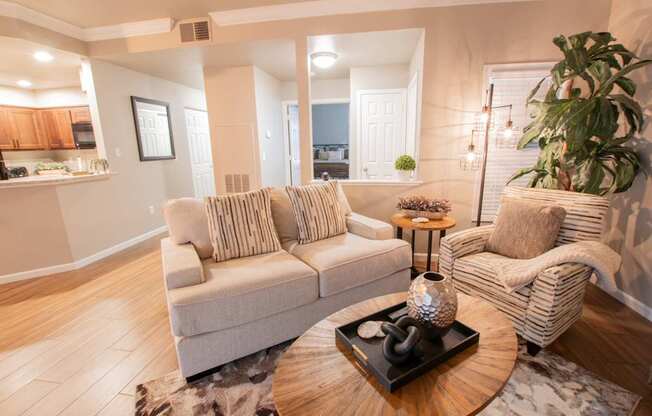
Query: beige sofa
[[222, 311]]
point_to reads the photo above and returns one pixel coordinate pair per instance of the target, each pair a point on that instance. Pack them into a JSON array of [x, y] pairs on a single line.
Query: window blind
[[511, 86]]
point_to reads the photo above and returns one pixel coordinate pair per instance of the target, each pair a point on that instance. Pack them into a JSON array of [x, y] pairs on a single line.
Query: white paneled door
[[381, 130], [294, 146], [201, 158]]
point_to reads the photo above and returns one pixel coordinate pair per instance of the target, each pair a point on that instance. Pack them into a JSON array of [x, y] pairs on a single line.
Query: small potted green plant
[[404, 166]]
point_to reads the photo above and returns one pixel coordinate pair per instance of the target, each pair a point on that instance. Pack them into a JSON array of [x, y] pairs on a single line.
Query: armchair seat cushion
[[348, 260], [242, 290], [475, 275]]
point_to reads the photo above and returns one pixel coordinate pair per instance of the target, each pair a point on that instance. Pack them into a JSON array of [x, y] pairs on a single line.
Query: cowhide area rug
[[543, 385]]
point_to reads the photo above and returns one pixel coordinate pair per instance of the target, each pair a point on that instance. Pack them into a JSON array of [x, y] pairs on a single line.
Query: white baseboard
[[78, 264], [626, 299]]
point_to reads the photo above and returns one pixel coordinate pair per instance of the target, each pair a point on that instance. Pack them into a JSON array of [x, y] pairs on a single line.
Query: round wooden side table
[[401, 221], [315, 377]]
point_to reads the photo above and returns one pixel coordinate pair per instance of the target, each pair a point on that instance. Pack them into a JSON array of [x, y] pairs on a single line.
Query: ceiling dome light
[[323, 60], [43, 56], [24, 83]]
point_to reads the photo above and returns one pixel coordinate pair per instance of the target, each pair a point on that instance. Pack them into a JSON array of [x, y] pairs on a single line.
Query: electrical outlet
[[151, 209], [118, 152]]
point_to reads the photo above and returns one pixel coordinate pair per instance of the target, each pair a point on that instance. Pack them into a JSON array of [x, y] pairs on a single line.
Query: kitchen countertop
[[345, 161], [36, 180]]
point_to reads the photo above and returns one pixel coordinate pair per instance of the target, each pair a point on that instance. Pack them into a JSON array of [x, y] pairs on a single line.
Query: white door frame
[[286, 133], [358, 123]]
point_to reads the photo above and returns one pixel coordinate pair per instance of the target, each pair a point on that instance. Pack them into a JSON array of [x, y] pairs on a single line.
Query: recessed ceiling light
[[24, 83], [43, 56], [323, 60]]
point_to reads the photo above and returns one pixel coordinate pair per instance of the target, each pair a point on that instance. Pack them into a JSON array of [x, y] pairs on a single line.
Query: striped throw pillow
[[317, 211], [241, 225]]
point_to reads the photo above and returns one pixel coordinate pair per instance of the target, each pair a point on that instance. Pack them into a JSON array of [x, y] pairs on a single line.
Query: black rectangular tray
[[368, 353]]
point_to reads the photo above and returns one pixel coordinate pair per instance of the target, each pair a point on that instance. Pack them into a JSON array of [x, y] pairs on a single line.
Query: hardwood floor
[[78, 343]]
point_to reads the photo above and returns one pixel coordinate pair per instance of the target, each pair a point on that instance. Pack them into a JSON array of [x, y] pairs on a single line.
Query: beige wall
[[630, 220], [269, 118], [32, 232], [321, 89], [231, 101]]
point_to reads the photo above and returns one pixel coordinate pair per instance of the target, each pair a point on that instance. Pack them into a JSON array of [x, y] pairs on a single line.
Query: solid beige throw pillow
[[317, 211], [524, 229], [241, 225]]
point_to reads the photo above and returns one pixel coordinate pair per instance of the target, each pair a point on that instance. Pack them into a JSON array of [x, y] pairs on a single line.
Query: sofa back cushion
[[525, 229], [241, 225], [317, 211], [284, 220], [187, 223]]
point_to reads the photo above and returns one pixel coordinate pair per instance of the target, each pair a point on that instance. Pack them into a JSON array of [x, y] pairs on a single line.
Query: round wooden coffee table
[[315, 377], [401, 221]]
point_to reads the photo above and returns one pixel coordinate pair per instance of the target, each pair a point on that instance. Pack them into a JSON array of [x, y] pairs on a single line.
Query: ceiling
[[17, 63], [91, 13], [276, 57], [185, 65], [365, 49]]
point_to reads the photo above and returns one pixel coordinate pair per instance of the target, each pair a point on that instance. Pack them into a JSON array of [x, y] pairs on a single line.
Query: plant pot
[[425, 214], [404, 175], [432, 302]]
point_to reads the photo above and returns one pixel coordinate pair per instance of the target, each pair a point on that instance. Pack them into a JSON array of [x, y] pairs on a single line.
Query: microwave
[[83, 134]]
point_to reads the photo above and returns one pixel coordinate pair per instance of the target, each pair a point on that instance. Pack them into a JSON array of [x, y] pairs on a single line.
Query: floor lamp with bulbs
[[472, 160]]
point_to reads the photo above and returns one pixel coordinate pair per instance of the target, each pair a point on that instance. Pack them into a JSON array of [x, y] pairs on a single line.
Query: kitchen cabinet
[[57, 128], [24, 123], [80, 115], [19, 129], [7, 141]]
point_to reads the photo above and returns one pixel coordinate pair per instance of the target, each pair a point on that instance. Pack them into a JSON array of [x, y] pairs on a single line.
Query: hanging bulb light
[[509, 130], [471, 159], [484, 116]]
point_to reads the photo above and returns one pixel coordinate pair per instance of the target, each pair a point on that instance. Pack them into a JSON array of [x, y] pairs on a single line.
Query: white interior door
[[381, 129], [201, 158], [293, 144]]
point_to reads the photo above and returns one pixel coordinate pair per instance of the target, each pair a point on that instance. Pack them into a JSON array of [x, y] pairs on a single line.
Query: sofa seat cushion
[[348, 260], [242, 290], [474, 275]]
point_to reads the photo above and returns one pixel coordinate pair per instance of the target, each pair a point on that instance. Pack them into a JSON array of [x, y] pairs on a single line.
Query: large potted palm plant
[[586, 119]]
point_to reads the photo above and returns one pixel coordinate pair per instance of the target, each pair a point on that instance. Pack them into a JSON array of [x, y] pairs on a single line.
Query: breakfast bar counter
[[37, 180]]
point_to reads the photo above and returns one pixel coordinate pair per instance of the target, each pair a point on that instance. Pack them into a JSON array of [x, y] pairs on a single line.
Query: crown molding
[[28, 15], [316, 8], [91, 34], [127, 30]]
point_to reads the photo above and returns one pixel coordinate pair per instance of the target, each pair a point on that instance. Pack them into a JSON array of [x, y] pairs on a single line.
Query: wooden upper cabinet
[[7, 141], [24, 123], [57, 128], [80, 115]]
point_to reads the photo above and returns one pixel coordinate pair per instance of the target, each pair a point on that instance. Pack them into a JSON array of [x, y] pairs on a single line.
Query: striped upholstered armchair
[[544, 309]]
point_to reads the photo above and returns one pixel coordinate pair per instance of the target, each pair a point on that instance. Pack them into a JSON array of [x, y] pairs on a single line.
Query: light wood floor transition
[[78, 343]]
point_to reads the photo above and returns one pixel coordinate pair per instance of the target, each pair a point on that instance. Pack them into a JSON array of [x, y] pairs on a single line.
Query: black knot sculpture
[[401, 340]]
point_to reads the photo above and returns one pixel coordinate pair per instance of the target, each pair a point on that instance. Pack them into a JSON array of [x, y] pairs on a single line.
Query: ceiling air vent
[[195, 31]]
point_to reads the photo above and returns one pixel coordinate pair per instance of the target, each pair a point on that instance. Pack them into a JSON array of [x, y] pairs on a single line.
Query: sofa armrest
[[181, 265], [368, 227], [462, 243]]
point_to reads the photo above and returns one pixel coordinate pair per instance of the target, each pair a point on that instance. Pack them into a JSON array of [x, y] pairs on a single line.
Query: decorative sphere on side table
[[432, 302]]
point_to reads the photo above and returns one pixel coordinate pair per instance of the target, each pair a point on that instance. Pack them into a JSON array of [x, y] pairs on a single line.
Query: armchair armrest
[[181, 265], [368, 227], [462, 243], [556, 300]]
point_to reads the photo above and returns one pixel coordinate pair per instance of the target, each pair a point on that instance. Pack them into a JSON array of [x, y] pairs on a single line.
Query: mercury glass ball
[[432, 301]]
